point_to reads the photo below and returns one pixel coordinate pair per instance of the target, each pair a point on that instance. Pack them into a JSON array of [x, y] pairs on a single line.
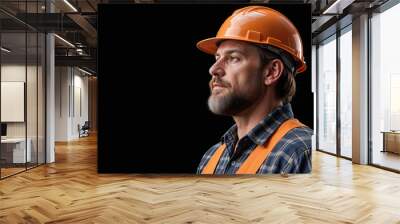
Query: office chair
[[84, 130]]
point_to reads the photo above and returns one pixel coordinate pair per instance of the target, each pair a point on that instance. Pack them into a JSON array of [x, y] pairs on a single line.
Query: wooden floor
[[10, 171], [71, 191], [5, 172], [387, 159]]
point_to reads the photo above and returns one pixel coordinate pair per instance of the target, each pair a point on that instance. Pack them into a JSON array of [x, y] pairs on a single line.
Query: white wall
[[33, 126], [13, 72], [16, 72], [61, 103], [81, 103], [71, 94]]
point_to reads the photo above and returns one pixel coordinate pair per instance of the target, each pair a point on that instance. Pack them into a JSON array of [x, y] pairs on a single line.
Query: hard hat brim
[[210, 46], [302, 68]]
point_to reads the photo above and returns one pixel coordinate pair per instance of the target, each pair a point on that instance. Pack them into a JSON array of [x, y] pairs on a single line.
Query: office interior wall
[[12, 98], [34, 107], [9, 73], [62, 78], [71, 102], [13, 69], [24, 62], [81, 104], [16, 72]]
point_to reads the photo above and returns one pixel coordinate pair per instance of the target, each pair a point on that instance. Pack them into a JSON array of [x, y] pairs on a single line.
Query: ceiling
[[75, 21]]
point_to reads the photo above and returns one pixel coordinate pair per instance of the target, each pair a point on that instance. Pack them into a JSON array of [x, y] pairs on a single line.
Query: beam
[[83, 61]]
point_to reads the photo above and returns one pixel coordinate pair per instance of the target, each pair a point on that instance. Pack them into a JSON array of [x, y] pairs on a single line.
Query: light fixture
[[65, 41], [5, 50], [84, 71], [80, 51], [70, 5], [329, 9], [337, 7]]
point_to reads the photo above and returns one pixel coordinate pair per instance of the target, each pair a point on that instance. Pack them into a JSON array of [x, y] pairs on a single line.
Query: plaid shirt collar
[[265, 128]]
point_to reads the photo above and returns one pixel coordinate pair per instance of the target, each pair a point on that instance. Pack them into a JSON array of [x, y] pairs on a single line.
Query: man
[[258, 51]]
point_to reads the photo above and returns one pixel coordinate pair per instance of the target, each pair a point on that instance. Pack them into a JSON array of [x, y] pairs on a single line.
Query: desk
[[13, 150], [391, 141]]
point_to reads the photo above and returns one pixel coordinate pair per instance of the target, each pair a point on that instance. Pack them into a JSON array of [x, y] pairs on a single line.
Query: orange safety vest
[[254, 161]]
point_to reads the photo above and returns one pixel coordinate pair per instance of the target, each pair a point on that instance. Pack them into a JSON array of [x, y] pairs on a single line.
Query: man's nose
[[217, 69]]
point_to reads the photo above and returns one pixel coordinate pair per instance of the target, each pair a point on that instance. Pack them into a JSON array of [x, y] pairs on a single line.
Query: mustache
[[218, 81]]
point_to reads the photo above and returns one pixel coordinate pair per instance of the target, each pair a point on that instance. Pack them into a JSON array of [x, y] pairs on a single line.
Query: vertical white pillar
[[360, 90], [50, 93]]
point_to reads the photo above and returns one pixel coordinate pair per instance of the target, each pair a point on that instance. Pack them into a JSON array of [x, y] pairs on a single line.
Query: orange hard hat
[[260, 25]]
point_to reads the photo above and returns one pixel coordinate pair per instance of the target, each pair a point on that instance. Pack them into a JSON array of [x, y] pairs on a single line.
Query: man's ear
[[273, 71]]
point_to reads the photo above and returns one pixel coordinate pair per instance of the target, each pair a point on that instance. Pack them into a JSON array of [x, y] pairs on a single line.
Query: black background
[[153, 84]]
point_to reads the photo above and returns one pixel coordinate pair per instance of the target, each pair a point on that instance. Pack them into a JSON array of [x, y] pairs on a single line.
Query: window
[[385, 88], [327, 95], [346, 93]]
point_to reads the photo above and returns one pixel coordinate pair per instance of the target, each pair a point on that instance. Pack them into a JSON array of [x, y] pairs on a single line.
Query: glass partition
[[346, 93], [22, 77], [327, 95], [14, 153], [385, 89]]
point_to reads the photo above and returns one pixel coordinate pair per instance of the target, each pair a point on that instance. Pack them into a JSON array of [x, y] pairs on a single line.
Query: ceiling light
[[65, 41], [329, 9], [5, 49], [70, 5], [338, 6], [84, 71]]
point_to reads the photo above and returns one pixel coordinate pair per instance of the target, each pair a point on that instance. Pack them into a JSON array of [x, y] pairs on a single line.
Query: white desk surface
[[13, 140]]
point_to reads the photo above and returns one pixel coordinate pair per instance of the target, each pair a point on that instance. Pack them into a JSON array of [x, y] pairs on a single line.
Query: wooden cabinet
[[391, 141]]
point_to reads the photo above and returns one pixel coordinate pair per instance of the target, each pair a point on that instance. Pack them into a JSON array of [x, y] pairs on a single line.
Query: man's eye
[[234, 59]]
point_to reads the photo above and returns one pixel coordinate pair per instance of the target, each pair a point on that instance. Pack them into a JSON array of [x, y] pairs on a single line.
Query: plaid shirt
[[292, 154]]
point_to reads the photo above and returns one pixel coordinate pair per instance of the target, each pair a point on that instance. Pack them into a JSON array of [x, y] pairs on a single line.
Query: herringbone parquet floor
[[71, 191]]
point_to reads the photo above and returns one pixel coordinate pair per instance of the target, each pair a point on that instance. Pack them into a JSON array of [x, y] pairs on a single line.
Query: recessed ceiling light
[[5, 49], [70, 5], [65, 41], [84, 71], [337, 6]]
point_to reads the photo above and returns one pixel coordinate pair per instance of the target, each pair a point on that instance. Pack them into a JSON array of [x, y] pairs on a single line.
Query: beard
[[227, 102]]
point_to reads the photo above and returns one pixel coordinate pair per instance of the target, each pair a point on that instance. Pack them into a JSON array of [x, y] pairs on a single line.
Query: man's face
[[237, 78]]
